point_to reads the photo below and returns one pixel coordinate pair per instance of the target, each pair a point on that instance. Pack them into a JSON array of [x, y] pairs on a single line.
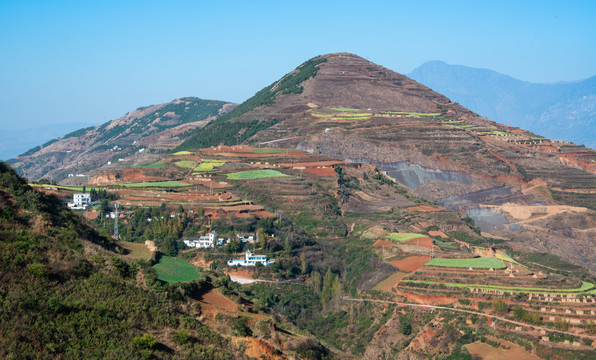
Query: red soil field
[[411, 263], [380, 243], [324, 171]]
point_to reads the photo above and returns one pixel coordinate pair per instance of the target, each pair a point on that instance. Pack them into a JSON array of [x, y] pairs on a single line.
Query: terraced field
[[255, 174], [160, 184], [474, 263]]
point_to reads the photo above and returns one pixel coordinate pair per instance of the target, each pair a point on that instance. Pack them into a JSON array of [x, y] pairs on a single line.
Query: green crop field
[[255, 174], [400, 237], [170, 270], [585, 288], [157, 165], [474, 263], [164, 184], [182, 153], [208, 165], [342, 109], [189, 164]]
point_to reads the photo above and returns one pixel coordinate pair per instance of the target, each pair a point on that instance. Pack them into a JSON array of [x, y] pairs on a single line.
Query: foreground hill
[[129, 139], [561, 111], [539, 194]]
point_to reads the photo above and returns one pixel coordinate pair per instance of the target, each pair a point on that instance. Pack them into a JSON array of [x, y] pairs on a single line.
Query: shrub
[[145, 342]]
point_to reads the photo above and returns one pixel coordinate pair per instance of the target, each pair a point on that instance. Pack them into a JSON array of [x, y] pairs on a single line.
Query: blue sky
[[90, 62]]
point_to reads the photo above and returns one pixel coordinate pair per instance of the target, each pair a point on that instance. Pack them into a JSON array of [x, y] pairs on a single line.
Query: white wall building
[[251, 260], [203, 242], [80, 201]]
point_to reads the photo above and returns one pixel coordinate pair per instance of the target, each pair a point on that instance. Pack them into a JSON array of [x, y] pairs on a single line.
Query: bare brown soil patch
[[218, 302], [380, 243], [424, 242], [484, 351], [321, 171], [427, 300], [91, 215], [390, 282], [424, 208], [438, 233], [411, 263], [256, 348]]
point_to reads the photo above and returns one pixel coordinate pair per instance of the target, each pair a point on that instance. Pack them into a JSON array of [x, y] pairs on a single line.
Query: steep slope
[[348, 108], [65, 294], [128, 139], [561, 111]]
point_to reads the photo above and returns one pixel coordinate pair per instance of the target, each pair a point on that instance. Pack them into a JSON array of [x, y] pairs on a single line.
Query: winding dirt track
[[432, 307]]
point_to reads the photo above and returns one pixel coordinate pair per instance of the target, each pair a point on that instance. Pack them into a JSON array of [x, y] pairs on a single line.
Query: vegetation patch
[[189, 164], [585, 288], [209, 165], [342, 109], [184, 152], [163, 184], [255, 174], [401, 237], [474, 263], [157, 165], [170, 269], [505, 257]]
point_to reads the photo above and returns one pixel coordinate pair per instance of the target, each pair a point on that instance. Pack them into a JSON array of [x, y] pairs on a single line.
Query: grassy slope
[[64, 297]]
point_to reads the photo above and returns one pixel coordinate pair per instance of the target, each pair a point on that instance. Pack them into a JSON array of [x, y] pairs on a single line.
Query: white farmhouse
[[80, 201], [251, 260], [203, 242]]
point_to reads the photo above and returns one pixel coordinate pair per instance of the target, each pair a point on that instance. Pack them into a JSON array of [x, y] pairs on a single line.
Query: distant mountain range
[[560, 111]]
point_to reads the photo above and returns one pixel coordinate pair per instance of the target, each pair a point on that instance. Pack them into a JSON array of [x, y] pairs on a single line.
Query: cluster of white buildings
[[205, 242]]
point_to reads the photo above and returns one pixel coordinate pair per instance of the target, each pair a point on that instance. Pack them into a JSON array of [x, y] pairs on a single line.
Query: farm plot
[[170, 269], [182, 153], [136, 251], [255, 174], [189, 164], [161, 184], [157, 165], [401, 237], [474, 263], [208, 165], [585, 288]]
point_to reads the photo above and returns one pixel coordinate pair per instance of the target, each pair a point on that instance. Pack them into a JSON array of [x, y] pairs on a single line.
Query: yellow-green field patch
[[401, 237], [209, 165], [184, 152], [189, 164], [255, 174], [474, 263]]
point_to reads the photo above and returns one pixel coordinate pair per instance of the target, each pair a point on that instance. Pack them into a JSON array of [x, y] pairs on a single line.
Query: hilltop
[[514, 183], [138, 136], [562, 111]]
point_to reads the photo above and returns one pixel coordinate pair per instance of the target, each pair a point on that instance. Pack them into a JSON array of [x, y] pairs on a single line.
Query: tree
[[261, 238], [406, 325], [315, 280]]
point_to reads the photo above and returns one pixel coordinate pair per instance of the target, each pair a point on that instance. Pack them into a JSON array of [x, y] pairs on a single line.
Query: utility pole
[[116, 221]]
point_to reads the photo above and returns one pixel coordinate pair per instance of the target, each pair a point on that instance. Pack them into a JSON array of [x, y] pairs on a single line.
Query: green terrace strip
[[157, 165], [413, 114], [189, 164], [454, 122], [474, 263], [255, 174], [208, 165], [585, 288], [170, 269], [164, 184], [184, 152], [463, 126], [342, 109], [401, 237]]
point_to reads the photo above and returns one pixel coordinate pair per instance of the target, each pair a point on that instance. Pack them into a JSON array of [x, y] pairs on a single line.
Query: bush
[[145, 342]]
